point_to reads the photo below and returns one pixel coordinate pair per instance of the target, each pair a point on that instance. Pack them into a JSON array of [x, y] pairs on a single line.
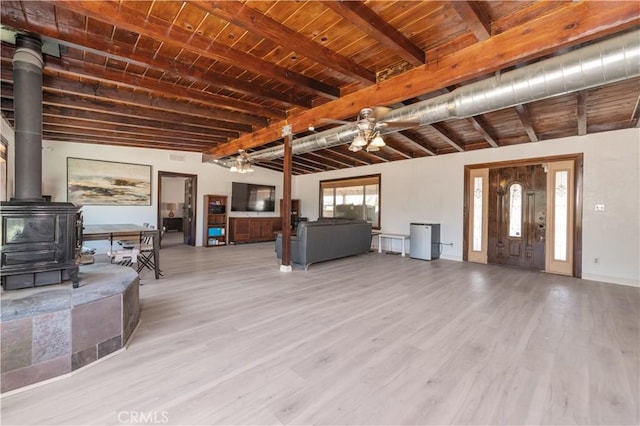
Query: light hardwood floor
[[375, 339]]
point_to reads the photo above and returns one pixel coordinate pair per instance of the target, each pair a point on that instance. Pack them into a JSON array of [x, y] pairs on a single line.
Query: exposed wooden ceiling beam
[[380, 155], [119, 96], [635, 116], [126, 18], [335, 158], [479, 24], [444, 136], [367, 20], [391, 145], [109, 113], [159, 88], [123, 52], [324, 164], [253, 21], [101, 140], [331, 162], [410, 137], [268, 165], [339, 157], [527, 124], [55, 97], [297, 168], [361, 156], [91, 133], [607, 127], [311, 166], [132, 144], [194, 112], [158, 134], [550, 32], [581, 100], [63, 108], [481, 127], [518, 17]]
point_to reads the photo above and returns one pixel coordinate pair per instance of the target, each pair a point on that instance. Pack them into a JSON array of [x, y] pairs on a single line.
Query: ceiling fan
[[370, 123], [242, 163]]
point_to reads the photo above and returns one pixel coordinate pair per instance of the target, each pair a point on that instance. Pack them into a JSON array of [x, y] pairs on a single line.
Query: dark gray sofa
[[326, 240]]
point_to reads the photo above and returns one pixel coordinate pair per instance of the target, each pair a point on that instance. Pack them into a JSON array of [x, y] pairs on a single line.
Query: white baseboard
[[447, 257], [611, 280]]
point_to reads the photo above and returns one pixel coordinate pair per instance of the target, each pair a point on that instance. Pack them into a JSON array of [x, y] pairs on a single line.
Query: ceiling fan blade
[[332, 121], [379, 112], [399, 124]]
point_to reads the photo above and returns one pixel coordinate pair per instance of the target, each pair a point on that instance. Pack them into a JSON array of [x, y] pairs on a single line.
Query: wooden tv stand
[[253, 229]]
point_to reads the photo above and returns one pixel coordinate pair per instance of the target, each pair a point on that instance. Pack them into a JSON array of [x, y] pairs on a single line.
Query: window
[[4, 188], [353, 198], [515, 210], [561, 204], [477, 213], [561, 217]]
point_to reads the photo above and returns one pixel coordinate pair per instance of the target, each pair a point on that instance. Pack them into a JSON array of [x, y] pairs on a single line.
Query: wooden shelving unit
[[215, 220]]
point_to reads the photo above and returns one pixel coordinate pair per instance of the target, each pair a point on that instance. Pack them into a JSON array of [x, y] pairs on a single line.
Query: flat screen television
[[250, 197]]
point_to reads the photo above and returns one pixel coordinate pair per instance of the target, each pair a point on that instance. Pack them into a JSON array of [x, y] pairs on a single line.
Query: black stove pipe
[[27, 85]]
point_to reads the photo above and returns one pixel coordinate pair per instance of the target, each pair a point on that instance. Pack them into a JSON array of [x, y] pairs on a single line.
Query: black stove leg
[[74, 277]]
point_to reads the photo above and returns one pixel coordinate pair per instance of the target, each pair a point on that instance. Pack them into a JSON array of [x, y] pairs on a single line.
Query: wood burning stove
[[41, 244], [41, 241]]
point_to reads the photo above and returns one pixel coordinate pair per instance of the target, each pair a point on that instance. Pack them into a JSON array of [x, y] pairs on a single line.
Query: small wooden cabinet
[[172, 224], [215, 220], [253, 229]]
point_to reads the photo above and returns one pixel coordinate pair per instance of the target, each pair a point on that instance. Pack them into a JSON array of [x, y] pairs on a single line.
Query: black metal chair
[[126, 256], [146, 255]]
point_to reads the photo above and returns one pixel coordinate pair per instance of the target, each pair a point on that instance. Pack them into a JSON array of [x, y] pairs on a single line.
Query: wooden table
[[123, 231]]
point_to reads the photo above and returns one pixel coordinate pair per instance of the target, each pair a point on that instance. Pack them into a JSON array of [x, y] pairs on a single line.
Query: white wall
[[172, 192], [7, 132], [212, 179], [431, 189]]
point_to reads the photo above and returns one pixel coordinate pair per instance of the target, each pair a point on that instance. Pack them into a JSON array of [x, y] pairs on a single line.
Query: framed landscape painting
[[95, 182]]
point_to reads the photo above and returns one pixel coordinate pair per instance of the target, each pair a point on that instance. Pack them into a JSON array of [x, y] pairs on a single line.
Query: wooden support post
[[285, 266]]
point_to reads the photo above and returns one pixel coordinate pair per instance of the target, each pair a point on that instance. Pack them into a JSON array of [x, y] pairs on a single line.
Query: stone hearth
[[50, 331]]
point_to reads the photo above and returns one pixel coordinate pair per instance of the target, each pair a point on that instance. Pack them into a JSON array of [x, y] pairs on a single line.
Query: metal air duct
[[601, 63]]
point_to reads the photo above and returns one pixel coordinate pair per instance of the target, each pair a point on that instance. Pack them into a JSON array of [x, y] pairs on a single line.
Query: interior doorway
[[525, 214], [177, 208]]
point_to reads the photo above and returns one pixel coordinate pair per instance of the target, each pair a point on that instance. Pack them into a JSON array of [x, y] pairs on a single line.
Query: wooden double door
[[517, 216]]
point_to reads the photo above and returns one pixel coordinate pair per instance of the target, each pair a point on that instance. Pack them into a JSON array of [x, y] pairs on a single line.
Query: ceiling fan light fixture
[[377, 141], [359, 140], [242, 163], [354, 148], [368, 127]]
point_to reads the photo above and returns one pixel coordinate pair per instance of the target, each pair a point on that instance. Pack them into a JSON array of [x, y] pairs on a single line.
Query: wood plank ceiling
[[218, 76]]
